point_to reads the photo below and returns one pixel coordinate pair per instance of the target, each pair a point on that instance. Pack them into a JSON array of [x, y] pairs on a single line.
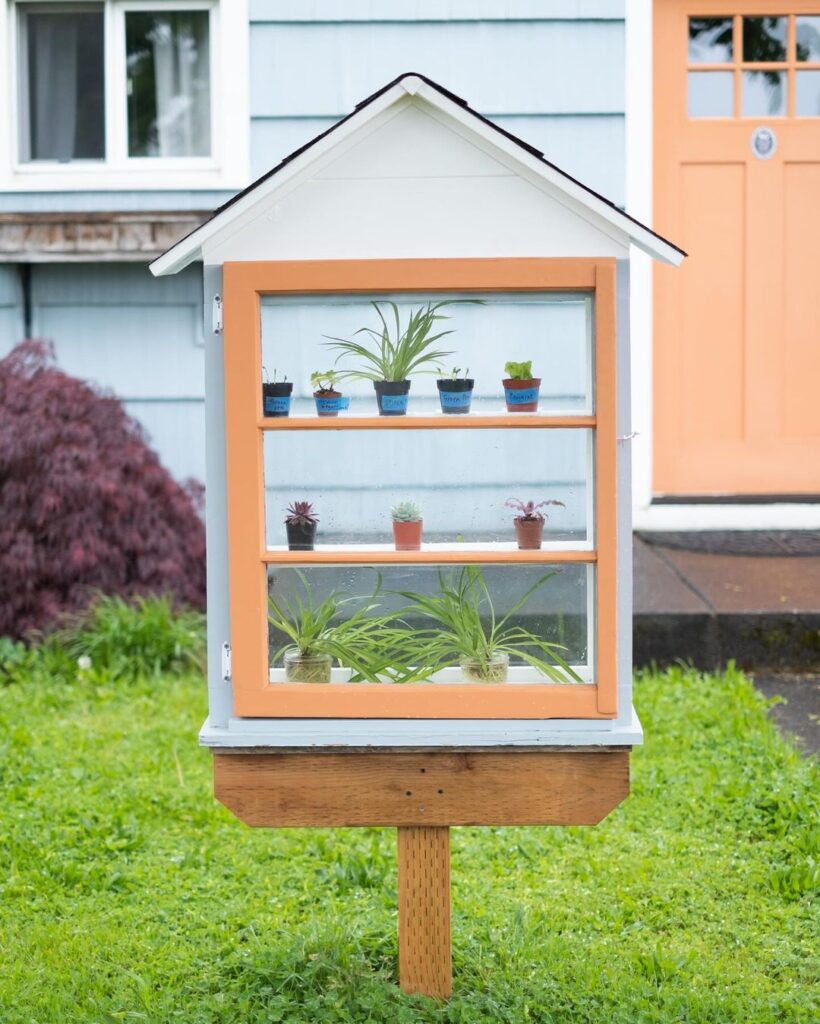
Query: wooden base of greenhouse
[[422, 793]]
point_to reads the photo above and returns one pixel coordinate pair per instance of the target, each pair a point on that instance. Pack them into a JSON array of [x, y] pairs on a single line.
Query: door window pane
[[711, 93], [808, 38], [168, 67], [710, 40], [764, 93], [764, 39], [61, 84], [807, 95]]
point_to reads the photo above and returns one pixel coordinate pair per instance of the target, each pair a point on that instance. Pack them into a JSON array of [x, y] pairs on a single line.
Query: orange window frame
[[254, 696]]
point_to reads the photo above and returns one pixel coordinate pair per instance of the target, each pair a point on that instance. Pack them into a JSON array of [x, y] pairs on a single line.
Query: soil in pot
[[522, 395], [392, 396], [330, 403], [307, 668], [494, 670], [407, 536], [276, 398], [529, 533], [455, 394], [301, 536]]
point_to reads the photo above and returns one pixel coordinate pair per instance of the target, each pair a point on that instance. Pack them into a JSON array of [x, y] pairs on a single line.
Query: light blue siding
[[432, 10], [500, 68], [11, 309], [139, 336]]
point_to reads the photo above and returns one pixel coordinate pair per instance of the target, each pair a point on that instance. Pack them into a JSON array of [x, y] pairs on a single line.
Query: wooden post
[[425, 959]]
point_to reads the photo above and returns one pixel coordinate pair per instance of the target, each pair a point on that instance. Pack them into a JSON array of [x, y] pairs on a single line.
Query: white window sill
[[141, 175]]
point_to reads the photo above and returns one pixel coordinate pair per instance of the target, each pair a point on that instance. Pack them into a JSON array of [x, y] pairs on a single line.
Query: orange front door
[[737, 184]]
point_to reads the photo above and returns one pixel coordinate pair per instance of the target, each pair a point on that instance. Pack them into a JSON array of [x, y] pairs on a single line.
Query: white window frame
[[227, 167]]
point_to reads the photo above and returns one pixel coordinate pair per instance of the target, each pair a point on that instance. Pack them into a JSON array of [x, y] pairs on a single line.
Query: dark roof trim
[[462, 103]]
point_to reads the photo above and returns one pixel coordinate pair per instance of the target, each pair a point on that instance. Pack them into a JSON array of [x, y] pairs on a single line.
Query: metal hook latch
[[628, 437]]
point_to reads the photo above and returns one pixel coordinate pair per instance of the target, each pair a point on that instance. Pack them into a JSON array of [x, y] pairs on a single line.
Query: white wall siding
[[432, 10]]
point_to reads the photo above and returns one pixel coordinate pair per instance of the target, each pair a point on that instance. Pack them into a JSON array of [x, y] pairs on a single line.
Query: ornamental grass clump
[[461, 627]]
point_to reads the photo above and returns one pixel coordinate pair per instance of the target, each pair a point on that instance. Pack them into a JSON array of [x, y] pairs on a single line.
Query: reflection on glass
[[554, 331], [764, 39], [461, 478], [808, 37], [711, 93], [710, 40], [807, 94], [559, 611], [764, 93], [167, 60]]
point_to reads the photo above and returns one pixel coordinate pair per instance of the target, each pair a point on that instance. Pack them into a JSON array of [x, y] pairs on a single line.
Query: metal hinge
[[217, 314], [226, 662]]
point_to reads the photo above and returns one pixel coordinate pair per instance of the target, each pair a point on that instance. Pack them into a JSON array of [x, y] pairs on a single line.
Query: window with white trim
[[126, 88]]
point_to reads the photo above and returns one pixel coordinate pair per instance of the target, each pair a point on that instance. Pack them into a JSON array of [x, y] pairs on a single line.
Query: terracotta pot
[[528, 533], [522, 395], [407, 536]]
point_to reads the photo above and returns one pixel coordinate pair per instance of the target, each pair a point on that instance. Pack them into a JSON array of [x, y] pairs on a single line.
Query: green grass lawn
[[128, 894]]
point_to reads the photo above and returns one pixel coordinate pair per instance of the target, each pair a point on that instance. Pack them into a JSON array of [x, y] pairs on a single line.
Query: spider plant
[[318, 633], [465, 629], [394, 353]]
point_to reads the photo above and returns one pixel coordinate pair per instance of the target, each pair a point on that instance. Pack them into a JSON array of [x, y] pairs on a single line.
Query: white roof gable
[[414, 172]]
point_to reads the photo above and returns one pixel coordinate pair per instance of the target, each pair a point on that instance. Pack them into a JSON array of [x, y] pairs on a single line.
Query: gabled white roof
[[579, 199]]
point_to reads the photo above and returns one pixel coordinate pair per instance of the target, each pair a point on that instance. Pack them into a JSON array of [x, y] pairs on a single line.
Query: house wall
[[550, 71]]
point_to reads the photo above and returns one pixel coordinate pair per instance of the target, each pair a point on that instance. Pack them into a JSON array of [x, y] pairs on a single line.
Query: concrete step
[[708, 597]]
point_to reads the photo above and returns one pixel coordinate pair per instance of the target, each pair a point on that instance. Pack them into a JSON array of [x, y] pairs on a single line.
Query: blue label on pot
[[521, 397], [455, 399], [394, 403], [277, 403], [336, 404]]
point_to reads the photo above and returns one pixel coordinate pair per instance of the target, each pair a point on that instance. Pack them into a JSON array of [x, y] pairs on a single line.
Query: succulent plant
[[301, 513], [406, 512], [529, 509]]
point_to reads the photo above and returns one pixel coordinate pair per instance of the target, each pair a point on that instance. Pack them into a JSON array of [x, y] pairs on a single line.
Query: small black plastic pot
[[276, 398], [392, 396], [455, 395], [301, 536]]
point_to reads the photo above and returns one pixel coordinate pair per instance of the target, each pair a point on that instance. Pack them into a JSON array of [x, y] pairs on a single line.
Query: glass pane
[[808, 38], [711, 93], [168, 66], [710, 40], [764, 93], [764, 39], [558, 613], [62, 91], [460, 479], [807, 93], [552, 331]]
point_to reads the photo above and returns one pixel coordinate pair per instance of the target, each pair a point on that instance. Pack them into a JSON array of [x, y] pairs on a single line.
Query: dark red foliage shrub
[[85, 504]]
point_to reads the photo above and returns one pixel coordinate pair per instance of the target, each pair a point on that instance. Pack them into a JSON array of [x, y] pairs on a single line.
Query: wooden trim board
[[397, 788]]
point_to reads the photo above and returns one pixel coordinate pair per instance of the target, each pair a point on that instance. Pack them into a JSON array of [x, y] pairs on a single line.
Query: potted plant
[[329, 401], [529, 523], [276, 395], [319, 633], [465, 630], [520, 387], [300, 524], [455, 392], [389, 356], [407, 525]]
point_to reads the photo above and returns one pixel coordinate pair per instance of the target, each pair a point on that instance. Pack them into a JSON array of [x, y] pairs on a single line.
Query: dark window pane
[[808, 37], [169, 106], [764, 93], [62, 86], [710, 40], [764, 39]]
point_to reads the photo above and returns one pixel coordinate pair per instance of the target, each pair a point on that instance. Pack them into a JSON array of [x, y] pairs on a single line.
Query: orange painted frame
[[254, 695]]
